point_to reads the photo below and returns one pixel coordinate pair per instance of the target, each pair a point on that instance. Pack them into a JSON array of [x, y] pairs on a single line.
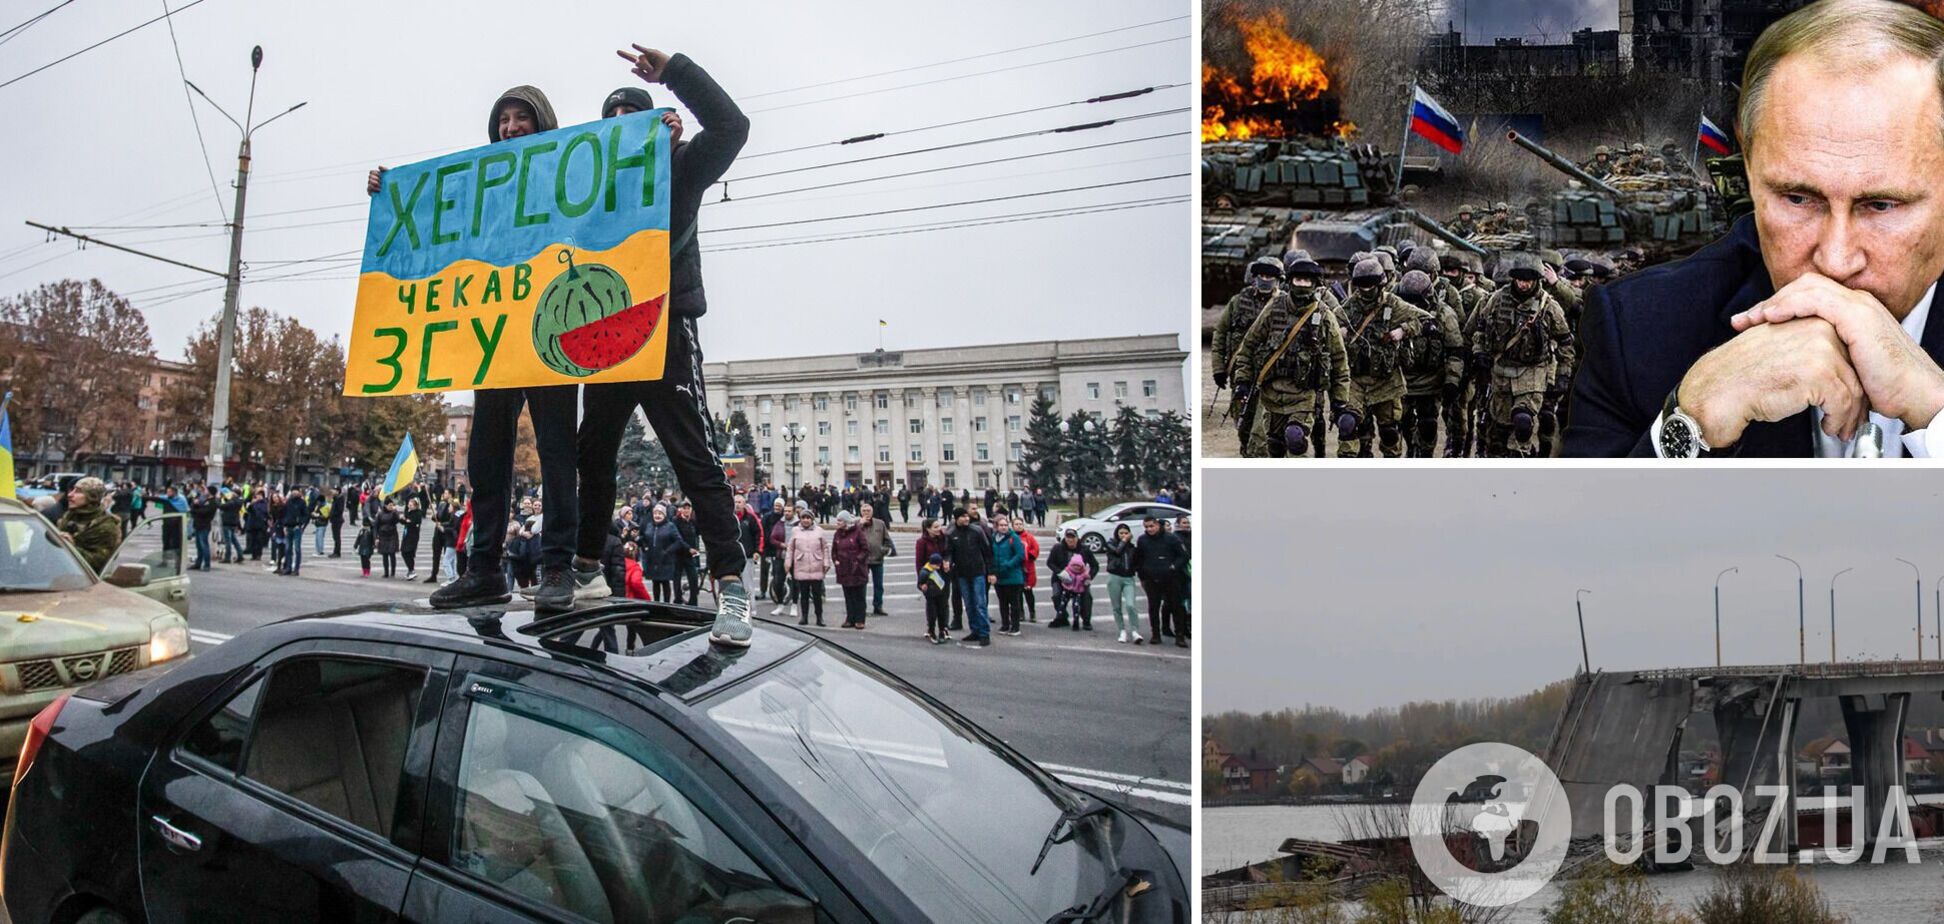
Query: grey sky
[[104, 138], [1371, 587], [1543, 21]]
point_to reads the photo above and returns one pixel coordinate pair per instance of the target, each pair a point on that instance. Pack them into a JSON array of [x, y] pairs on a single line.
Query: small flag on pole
[[6, 449], [404, 468], [1713, 137], [1433, 123]]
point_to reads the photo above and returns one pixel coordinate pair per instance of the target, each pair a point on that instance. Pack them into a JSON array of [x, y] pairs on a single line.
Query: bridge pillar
[[1876, 730], [1756, 729]]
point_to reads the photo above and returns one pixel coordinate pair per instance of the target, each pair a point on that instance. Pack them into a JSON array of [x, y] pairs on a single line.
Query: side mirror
[[129, 575]]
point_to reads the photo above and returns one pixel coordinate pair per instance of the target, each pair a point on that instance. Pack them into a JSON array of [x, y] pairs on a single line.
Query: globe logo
[[1490, 824]]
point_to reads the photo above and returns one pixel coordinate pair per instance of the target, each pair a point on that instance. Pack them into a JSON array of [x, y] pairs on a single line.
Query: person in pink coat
[[806, 558]]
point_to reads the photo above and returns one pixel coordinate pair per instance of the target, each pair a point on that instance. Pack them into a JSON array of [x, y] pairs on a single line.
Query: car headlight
[[168, 642]]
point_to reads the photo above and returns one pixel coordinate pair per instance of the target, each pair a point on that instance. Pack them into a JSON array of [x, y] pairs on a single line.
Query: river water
[[1893, 893]]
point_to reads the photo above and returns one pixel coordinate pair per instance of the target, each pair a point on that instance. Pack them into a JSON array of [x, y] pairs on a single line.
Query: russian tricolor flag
[[1431, 122], [1713, 138]]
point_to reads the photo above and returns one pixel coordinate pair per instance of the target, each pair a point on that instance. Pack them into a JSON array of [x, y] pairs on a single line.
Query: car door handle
[[174, 836]]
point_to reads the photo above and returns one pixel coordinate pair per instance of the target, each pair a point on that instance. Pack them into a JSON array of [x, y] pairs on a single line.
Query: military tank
[[1663, 215]]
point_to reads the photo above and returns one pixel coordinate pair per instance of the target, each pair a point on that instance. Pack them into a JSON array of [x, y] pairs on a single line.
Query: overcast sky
[[1534, 20], [107, 139], [1358, 588]]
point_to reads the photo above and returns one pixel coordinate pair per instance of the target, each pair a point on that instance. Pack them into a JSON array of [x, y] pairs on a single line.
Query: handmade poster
[[540, 260]]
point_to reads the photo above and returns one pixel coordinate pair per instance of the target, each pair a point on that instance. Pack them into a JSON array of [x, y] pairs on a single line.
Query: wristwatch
[[1680, 434]]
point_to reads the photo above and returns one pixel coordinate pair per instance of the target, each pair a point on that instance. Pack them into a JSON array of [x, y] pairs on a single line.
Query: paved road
[[1100, 714]]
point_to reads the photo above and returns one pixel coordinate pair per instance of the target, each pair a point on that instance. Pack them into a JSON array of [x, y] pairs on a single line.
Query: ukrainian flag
[[6, 449], [404, 468]]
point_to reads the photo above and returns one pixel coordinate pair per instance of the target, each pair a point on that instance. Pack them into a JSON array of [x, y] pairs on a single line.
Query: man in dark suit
[[1807, 324]]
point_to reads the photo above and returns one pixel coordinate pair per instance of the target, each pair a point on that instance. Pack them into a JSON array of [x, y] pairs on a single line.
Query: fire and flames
[[1283, 73]]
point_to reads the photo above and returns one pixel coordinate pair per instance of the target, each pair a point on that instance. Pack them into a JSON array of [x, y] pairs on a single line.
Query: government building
[[953, 418]]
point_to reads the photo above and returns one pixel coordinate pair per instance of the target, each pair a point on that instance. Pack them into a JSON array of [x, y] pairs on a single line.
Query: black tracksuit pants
[[678, 412], [489, 460]]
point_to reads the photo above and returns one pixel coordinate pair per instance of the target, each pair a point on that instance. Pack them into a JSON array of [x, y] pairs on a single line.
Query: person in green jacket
[[1009, 572], [95, 532]]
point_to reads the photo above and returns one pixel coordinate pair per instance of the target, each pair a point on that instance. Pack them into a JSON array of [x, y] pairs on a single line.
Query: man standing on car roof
[[518, 112], [675, 405]]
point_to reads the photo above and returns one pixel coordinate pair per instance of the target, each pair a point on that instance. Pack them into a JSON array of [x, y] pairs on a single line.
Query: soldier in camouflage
[[1601, 166], [1552, 268], [1459, 284], [1242, 310], [1519, 343], [1376, 324], [1317, 423], [1434, 361], [1288, 362], [1464, 225]]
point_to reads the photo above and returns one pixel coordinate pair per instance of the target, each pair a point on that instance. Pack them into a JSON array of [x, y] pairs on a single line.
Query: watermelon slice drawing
[[586, 321]]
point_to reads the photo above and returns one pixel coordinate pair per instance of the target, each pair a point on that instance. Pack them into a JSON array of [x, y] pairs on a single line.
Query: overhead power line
[[96, 45], [944, 205], [969, 223], [202, 147], [989, 54], [876, 136], [13, 31]]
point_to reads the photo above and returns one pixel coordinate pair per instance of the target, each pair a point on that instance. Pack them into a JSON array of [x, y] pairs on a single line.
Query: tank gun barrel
[[1561, 164], [1443, 233]]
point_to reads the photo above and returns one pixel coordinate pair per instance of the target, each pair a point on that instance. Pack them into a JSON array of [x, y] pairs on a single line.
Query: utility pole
[[1586, 660]]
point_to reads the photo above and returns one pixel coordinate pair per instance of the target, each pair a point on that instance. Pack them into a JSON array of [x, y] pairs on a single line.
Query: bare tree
[[67, 350]]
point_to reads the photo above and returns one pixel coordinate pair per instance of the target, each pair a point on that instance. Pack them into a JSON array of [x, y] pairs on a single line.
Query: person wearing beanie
[[675, 405], [88, 524], [517, 113], [850, 557], [931, 584], [1376, 324], [1291, 361], [1434, 361], [1519, 342]]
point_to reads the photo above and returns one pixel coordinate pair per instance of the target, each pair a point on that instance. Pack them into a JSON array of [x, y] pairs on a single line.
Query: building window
[[985, 480], [1120, 390], [1049, 393], [1153, 414], [981, 454], [951, 479], [945, 425], [1015, 452], [850, 428], [1093, 390], [917, 454], [883, 427], [978, 397], [883, 401], [853, 455], [763, 406], [823, 455], [1148, 389], [1012, 396], [911, 399], [736, 405], [917, 425], [821, 402], [1012, 423], [766, 457], [823, 428], [978, 425], [884, 454], [944, 397], [763, 429], [789, 402], [948, 453], [850, 402]]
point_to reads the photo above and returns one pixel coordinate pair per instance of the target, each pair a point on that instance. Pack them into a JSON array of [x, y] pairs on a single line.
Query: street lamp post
[[1802, 624], [297, 446], [793, 435], [1724, 573], [1079, 484], [226, 337], [1832, 612], [1586, 660], [1920, 605], [1937, 592]]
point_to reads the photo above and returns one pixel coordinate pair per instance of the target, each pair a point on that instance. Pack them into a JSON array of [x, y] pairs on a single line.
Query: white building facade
[[953, 418]]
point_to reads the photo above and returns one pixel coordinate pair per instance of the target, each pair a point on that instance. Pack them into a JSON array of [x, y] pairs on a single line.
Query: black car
[[602, 765]]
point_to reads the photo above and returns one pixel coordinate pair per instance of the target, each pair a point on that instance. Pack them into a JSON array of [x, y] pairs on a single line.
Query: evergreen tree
[[745, 444], [1088, 457], [1128, 438], [1041, 461], [1167, 451]]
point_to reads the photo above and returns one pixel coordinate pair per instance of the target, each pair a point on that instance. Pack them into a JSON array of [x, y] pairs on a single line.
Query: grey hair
[[1851, 36]]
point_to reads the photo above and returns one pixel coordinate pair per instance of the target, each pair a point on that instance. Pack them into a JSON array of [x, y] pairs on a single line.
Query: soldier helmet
[[1520, 265], [1657, 165], [1360, 256], [1465, 209], [1450, 261], [1386, 259], [1385, 248], [1367, 269], [1291, 256], [1639, 147], [1266, 266], [1303, 266], [1501, 207], [1405, 248], [1669, 145], [1602, 151], [1422, 260], [1415, 286], [1551, 258], [1577, 267]]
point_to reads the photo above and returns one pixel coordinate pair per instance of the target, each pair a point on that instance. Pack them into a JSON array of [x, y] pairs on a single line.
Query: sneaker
[[1138, 640], [977, 643], [732, 625], [1123, 637], [781, 610], [879, 613], [409, 575], [555, 592], [591, 584], [478, 587]]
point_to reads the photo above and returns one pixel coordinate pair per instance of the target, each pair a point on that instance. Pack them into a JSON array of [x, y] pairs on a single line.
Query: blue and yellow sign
[[540, 260]]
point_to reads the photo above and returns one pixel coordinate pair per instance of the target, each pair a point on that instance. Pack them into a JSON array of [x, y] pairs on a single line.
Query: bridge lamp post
[[1937, 593], [1724, 573], [1585, 659], [1920, 605], [1832, 613], [1802, 618]]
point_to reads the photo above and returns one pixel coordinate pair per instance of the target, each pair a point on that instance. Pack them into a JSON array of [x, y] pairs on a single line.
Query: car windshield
[[32, 559], [950, 821]]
